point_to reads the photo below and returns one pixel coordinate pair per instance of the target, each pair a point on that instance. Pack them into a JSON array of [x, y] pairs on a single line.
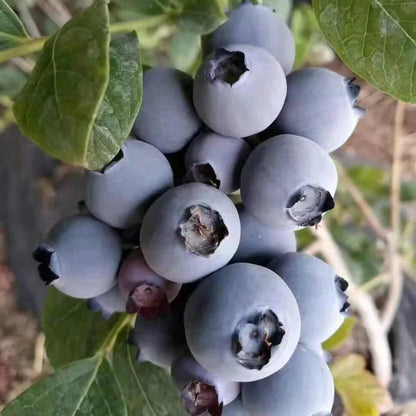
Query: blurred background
[[369, 238]]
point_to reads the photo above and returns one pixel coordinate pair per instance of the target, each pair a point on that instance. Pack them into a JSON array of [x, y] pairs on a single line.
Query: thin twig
[[313, 248], [39, 354], [26, 65], [396, 279], [361, 202], [27, 18], [363, 303], [374, 282], [55, 10]]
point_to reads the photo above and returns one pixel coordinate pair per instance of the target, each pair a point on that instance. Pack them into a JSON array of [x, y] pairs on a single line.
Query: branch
[[364, 305], [396, 279], [26, 48], [55, 10], [362, 204], [27, 18], [35, 45], [26, 65]]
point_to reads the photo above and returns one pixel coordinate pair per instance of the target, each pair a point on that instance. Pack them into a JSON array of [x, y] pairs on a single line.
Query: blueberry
[[167, 118], [304, 387], [144, 292], [216, 160], [319, 293], [320, 105], [260, 243], [288, 182], [242, 323], [108, 303], [235, 409], [121, 194], [239, 90], [80, 257], [189, 232], [159, 340], [201, 391], [255, 25]]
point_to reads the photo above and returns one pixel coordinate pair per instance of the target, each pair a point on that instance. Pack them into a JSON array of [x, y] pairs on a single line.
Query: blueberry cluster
[[222, 297]]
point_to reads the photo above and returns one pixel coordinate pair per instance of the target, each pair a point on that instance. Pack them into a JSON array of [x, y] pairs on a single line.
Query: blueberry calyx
[[201, 398], [202, 229], [202, 173], [308, 204], [148, 300], [119, 156], [227, 66], [341, 286], [255, 337], [43, 256], [353, 91]]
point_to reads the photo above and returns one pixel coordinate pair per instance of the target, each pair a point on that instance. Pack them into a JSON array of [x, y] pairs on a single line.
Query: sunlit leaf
[[376, 39], [342, 334], [361, 393]]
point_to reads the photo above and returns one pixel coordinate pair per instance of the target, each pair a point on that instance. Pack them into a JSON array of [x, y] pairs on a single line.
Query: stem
[[27, 18], [364, 304], [35, 45], [108, 344], [362, 204], [26, 48]]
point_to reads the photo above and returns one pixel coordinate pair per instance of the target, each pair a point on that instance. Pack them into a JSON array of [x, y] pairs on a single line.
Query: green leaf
[[304, 237], [12, 31], [121, 102], [184, 50], [72, 331], [359, 389], [373, 182], [376, 39], [58, 105], [202, 16], [148, 389], [360, 252], [232, 4], [343, 334], [408, 191], [11, 80], [86, 387]]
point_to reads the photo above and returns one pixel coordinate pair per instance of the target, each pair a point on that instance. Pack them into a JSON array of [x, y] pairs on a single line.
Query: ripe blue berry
[[255, 25], [259, 243], [216, 160], [201, 390], [159, 340], [167, 118], [239, 90], [235, 408], [189, 232], [320, 105], [288, 182], [108, 303], [121, 194], [80, 257], [304, 387], [319, 293], [242, 323]]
